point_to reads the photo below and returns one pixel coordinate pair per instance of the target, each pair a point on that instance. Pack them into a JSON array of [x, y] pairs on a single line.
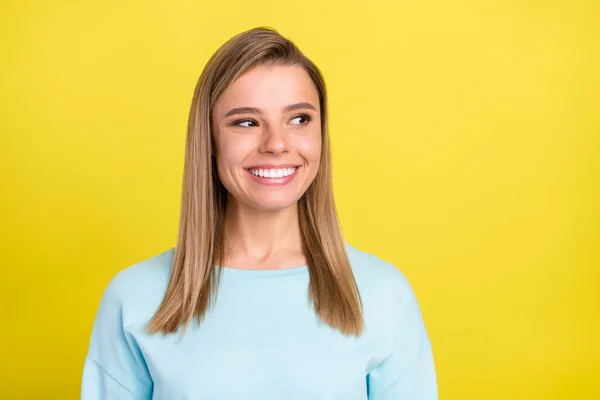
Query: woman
[[261, 298]]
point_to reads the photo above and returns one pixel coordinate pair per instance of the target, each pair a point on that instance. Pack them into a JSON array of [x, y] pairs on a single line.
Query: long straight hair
[[194, 278]]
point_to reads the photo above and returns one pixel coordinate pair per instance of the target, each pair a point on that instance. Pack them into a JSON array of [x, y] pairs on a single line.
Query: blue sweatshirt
[[261, 341]]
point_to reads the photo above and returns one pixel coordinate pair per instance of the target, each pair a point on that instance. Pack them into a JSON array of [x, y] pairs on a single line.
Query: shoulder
[[138, 289], [380, 283], [387, 295], [370, 270]]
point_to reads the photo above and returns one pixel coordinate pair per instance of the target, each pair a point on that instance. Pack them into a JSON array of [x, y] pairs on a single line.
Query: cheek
[[232, 152], [229, 156], [310, 148]]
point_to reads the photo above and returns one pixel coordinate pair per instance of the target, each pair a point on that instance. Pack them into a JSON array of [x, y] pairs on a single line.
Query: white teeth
[[272, 173]]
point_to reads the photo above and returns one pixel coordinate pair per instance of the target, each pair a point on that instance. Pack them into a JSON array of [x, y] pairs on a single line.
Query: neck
[[257, 237]]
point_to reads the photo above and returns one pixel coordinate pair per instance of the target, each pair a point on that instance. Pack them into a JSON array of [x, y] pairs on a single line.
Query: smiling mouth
[[272, 173]]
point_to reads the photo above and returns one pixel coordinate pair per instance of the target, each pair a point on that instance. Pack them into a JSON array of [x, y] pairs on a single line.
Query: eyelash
[[238, 122], [307, 117]]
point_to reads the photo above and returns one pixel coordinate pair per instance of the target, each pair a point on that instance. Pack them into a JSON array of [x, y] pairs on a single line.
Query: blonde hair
[[194, 279]]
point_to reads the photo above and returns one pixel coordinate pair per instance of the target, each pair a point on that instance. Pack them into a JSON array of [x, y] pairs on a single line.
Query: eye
[[246, 123], [301, 119]]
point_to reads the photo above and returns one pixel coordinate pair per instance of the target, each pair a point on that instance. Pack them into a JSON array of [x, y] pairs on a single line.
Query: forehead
[[270, 88]]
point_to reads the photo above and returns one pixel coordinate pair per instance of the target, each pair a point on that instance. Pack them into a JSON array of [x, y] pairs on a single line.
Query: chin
[[273, 204]]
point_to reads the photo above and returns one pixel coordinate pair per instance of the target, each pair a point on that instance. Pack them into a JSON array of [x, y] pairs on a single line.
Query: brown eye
[[247, 123], [301, 119]]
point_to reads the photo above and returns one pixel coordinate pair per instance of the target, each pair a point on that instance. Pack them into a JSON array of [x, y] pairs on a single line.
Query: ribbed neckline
[[258, 274], [263, 274]]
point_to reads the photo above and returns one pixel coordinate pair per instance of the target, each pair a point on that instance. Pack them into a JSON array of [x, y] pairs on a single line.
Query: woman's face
[[267, 133]]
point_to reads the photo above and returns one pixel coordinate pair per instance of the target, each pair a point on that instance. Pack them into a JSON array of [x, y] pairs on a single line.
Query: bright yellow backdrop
[[466, 144]]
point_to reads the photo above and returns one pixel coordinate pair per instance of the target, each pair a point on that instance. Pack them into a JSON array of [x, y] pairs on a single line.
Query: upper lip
[[273, 166]]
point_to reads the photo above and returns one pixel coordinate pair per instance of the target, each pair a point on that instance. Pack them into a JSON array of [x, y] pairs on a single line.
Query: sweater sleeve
[[408, 372], [114, 367]]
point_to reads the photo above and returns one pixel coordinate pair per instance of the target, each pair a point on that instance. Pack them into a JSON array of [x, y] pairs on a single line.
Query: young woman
[[261, 298]]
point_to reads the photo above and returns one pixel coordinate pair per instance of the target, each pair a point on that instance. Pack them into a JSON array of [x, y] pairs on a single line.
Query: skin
[[261, 222]]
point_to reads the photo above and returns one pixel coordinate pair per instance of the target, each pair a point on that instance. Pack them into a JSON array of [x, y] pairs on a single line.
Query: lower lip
[[273, 181]]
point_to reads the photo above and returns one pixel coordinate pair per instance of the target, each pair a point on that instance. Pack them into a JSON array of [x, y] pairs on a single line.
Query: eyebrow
[[254, 110]]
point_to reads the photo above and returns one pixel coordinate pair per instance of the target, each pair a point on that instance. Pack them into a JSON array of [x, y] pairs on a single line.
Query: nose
[[274, 140]]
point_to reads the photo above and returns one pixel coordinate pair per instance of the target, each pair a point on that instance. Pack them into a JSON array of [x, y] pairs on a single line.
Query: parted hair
[[194, 277]]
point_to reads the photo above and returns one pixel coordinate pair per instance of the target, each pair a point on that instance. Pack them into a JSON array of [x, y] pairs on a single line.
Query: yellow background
[[466, 139]]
